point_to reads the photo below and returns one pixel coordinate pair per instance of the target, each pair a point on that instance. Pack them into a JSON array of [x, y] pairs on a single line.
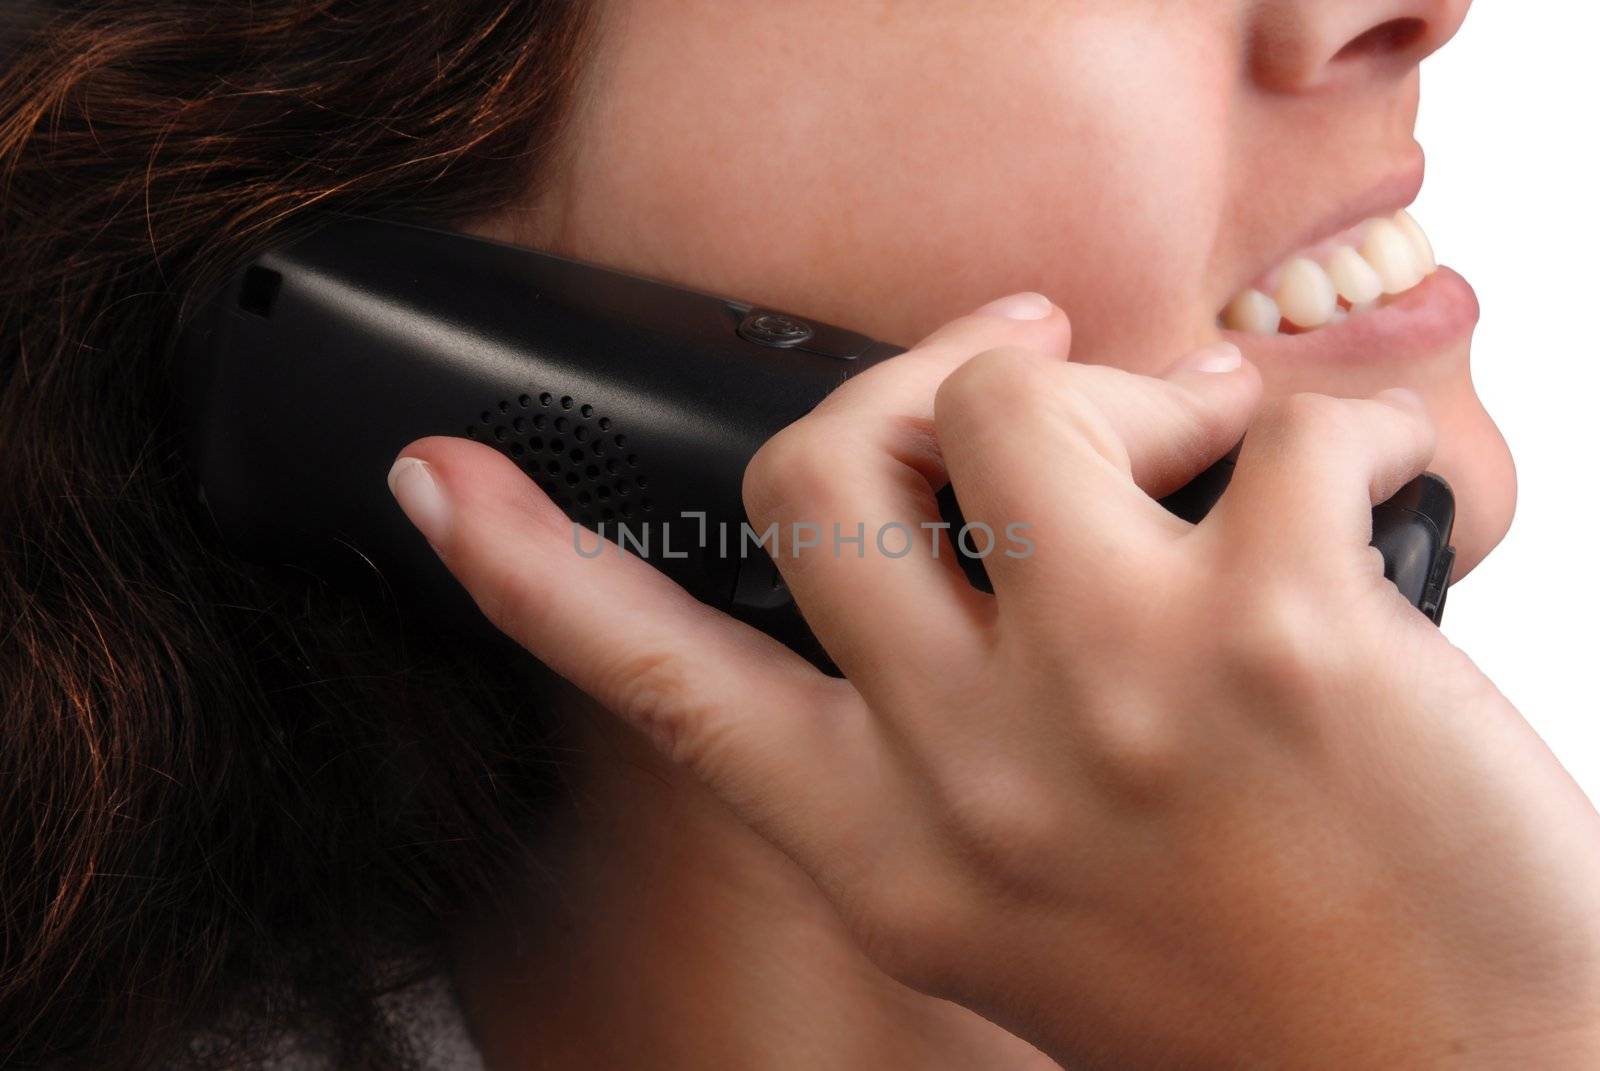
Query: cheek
[[899, 181], [1130, 187]]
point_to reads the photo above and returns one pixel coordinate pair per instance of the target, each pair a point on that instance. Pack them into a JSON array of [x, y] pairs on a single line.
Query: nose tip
[[1303, 45]]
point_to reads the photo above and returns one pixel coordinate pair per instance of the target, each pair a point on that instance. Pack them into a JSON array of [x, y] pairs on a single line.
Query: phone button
[[775, 329], [780, 331]]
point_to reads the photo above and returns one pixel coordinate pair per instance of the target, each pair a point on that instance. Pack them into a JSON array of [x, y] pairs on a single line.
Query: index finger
[[765, 730]]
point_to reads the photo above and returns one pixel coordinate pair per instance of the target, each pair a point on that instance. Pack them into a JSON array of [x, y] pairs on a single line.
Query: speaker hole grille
[[573, 461]]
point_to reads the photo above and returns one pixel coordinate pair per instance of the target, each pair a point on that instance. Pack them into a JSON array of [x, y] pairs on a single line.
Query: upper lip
[[1389, 195]]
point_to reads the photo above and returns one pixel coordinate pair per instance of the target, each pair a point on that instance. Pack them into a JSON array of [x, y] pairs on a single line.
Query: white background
[[1511, 125]]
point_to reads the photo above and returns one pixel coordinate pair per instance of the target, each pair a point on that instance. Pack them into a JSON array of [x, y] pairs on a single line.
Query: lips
[[1390, 300]]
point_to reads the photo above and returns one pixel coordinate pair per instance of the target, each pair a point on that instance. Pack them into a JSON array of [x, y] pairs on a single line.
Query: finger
[[1312, 468], [771, 735], [907, 383], [1073, 453], [891, 603]]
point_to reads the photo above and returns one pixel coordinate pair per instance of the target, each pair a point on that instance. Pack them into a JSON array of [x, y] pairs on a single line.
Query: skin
[[1138, 162]]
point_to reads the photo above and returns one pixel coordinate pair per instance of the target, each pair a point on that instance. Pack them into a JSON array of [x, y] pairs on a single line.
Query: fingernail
[[1216, 357], [1024, 306], [412, 483], [1404, 397]]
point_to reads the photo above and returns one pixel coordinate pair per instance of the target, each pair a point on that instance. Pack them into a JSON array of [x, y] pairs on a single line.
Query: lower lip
[[1437, 313]]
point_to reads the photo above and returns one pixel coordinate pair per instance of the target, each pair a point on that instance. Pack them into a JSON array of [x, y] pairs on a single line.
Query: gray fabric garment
[[431, 1017], [428, 1014]]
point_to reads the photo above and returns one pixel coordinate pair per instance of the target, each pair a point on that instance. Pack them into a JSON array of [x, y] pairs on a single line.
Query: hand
[[1174, 795]]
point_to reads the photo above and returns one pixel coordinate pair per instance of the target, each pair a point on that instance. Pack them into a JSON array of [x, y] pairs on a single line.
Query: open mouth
[[1368, 267], [1372, 294]]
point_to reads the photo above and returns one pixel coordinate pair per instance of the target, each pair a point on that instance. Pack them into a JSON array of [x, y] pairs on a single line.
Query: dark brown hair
[[229, 795]]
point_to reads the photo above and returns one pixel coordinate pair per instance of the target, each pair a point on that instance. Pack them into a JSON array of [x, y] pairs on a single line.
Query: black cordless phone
[[630, 402]]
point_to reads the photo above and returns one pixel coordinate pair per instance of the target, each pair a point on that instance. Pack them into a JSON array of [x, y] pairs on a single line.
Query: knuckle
[[654, 692], [1012, 385], [1276, 646], [1197, 423], [1078, 411], [1012, 380], [910, 923], [1007, 824], [792, 467], [1308, 416], [1414, 427], [1311, 423], [1307, 429], [1132, 748]]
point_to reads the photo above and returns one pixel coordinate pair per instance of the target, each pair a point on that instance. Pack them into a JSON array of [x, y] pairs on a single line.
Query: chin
[[1474, 458], [1419, 338]]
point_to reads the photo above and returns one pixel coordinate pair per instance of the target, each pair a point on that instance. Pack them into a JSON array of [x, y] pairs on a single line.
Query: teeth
[[1389, 252], [1420, 246], [1253, 311], [1353, 277], [1306, 294], [1313, 287]]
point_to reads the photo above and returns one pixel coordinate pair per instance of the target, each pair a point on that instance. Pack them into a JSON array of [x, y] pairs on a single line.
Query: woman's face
[[890, 164]]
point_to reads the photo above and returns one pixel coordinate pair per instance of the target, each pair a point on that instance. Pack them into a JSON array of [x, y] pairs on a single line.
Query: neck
[[654, 929]]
